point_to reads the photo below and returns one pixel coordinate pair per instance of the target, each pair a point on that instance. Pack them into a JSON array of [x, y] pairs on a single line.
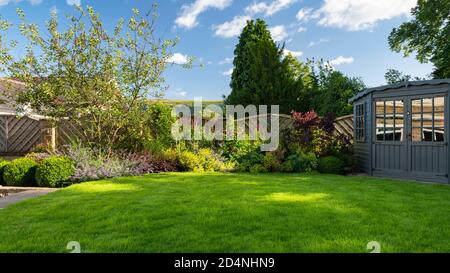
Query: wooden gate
[[18, 135]]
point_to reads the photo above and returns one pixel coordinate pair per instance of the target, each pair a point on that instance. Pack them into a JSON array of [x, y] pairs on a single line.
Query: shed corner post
[[371, 117], [447, 128]]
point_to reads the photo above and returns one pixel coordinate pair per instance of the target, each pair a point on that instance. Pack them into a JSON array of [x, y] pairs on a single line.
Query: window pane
[[439, 104], [416, 134], [380, 134], [427, 134], [398, 134], [416, 106], [380, 122], [399, 122], [389, 136], [428, 120], [389, 121], [427, 105], [389, 107], [439, 134], [359, 122], [416, 120], [439, 120], [380, 107], [399, 107]]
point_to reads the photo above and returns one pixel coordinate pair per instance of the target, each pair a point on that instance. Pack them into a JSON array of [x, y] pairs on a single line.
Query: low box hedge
[[54, 170], [20, 172]]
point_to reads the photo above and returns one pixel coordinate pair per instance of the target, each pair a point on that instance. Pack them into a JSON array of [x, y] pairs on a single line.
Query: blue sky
[[352, 34]]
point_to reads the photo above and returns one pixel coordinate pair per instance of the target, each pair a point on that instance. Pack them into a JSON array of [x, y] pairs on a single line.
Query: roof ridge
[[398, 85]]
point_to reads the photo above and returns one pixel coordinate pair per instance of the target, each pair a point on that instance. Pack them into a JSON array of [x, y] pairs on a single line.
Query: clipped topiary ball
[[20, 172], [54, 170]]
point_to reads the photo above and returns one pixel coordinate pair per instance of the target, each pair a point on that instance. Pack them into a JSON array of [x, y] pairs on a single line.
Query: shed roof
[[398, 85]]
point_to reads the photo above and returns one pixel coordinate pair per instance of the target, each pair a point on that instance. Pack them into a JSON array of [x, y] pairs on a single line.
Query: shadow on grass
[[228, 213]]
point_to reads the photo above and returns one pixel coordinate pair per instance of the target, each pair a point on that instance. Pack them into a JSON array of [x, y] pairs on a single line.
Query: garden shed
[[400, 130]]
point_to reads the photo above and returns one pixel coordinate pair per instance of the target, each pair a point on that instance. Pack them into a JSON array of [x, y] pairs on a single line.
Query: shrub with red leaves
[[304, 124], [305, 120], [145, 163], [314, 134], [154, 167]]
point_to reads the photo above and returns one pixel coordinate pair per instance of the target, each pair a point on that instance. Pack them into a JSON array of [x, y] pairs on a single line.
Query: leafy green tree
[[334, 89], [256, 66], [263, 75], [427, 35], [299, 86], [96, 79], [393, 76]]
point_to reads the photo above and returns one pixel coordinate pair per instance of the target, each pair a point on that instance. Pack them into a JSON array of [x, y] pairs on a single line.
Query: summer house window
[[390, 120], [360, 122], [428, 119]]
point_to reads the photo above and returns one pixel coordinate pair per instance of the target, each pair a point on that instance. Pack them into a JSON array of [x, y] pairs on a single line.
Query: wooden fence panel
[[18, 135], [3, 134], [21, 135], [344, 126], [66, 133]]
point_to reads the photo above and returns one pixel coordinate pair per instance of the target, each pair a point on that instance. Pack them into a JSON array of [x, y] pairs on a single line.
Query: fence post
[[48, 134]]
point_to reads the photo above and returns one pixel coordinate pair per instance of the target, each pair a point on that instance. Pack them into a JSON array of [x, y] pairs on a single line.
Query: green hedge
[[331, 165], [54, 170], [20, 172], [3, 163]]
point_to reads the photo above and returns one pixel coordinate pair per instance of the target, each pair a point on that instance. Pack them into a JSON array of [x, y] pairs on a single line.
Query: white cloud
[[182, 93], [354, 15], [269, 9], [293, 53], [342, 60], [302, 29], [226, 61], [231, 28], [279, 33], [321, 41], [32, 2], [178, 58], [74, 2], [305, 14], [189, 13], [229, 72]]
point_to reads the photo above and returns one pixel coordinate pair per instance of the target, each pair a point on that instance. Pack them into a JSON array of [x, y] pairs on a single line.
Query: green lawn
[[233, 213]]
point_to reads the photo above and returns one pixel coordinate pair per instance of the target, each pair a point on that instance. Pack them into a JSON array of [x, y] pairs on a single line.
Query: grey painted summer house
[[401, 130]]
